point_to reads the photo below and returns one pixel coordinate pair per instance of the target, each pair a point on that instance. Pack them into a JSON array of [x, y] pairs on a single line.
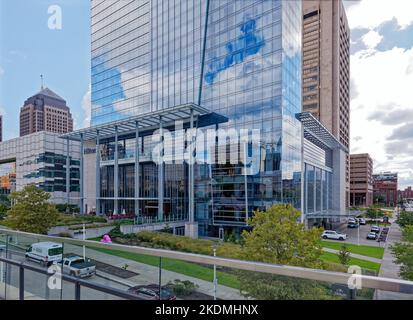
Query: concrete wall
[[339, 181]]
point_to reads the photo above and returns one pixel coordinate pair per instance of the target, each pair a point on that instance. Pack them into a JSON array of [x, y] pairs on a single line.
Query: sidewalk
[[355, 255], [388, 268], [149, 274]]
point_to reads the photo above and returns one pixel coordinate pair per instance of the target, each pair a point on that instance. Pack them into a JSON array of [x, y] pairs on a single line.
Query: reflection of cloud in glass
[[238, 50]]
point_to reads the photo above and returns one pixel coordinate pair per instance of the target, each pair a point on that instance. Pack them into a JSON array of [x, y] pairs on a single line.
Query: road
[[37, 284]]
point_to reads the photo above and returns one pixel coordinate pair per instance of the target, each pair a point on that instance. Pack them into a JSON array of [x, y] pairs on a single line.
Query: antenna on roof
[[41, 79]]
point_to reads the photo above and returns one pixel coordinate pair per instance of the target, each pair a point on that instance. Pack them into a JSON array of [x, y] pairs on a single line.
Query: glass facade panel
[[148, 56]]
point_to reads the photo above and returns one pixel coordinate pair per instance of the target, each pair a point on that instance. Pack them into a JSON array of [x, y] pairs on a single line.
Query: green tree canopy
[[373, 212], [403, 252], [31, 211], [405, 218], [278, 237]]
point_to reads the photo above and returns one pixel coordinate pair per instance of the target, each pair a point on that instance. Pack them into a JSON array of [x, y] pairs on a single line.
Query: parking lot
[[359, 233]]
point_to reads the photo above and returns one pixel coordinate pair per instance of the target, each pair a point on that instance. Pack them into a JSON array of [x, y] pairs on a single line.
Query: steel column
[[97, 173], [191, 171], [137, 191], [67, 173], [116, 174], [82, 179], [21, 283], [160, 171]]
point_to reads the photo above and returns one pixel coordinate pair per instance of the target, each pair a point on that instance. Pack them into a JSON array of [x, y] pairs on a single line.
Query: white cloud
[[383, 85], [371, 39], [371, 13], [87, 107]]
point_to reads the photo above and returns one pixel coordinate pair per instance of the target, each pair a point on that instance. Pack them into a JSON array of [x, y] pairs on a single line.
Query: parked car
[[352, 220], [362, 221], [372, 236], [375, 229], [77, 267], [46, 253], [151, 292], [330, 234], [352, 225]]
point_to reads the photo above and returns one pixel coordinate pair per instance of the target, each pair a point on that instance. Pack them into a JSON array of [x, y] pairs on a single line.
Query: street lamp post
[[215, 274]]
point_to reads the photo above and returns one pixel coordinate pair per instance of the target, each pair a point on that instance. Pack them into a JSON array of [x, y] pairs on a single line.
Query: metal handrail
[[386, 284], [77, 281]]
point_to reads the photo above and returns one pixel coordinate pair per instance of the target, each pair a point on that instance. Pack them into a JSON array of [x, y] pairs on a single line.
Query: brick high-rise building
[[326, 68], [361, 180], [45, 111]]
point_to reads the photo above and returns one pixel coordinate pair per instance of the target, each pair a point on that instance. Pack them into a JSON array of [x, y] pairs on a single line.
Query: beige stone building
[[361, 180], [45, 111], [326, 69]]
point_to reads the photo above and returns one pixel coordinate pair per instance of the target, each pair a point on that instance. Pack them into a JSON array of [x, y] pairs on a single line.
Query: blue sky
[[381, 71], [29, 48]]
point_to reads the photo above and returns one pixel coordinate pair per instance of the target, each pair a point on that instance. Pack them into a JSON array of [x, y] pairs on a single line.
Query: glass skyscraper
[[240, 59]]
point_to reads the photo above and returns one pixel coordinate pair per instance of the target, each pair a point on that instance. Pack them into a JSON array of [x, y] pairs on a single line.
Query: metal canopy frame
[[146, 121], [317, 133], [334, 214]]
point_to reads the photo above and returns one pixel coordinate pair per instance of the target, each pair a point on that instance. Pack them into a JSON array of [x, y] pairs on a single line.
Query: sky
[[381, 71]]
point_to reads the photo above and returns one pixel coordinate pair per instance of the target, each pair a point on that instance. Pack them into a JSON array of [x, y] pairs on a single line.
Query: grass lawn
[[369, 251], [332, 257], [186, 268]]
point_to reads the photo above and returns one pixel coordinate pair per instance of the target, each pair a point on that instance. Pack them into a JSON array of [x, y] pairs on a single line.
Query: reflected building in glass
[[240, 60]]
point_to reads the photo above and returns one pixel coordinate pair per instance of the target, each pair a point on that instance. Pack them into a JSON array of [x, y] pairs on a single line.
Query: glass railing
[[109, 271]]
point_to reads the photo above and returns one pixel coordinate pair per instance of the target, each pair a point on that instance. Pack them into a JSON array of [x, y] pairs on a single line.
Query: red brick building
[[385, 189], [406, 193]]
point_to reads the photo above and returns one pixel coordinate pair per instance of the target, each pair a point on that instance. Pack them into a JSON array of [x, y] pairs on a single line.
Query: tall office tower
[[361, 180], [45, 111], [326, 68], [1, 128], [240, 59]]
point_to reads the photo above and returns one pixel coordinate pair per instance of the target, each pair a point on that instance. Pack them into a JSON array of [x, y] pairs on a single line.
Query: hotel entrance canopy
[[148, 121]]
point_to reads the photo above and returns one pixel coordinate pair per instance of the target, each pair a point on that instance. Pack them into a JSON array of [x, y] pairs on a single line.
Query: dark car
[[151, 292], [352, 225]]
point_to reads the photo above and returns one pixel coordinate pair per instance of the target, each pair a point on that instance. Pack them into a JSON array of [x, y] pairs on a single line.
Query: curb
[[105, 276]]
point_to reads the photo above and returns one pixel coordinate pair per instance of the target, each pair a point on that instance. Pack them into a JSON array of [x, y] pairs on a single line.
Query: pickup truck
[[77, 267]]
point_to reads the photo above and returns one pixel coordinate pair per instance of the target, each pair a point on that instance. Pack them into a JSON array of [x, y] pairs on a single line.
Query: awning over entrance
[[148, 121], [315, 132]]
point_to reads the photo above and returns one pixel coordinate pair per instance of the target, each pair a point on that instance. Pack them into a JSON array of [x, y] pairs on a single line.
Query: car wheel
[[341, 238], [324, 237]]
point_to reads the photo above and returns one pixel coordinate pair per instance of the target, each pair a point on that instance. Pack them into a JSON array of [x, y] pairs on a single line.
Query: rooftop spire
[[41, 80]]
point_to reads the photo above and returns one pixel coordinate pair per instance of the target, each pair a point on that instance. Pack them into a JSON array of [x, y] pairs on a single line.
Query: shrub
[[182, 288]]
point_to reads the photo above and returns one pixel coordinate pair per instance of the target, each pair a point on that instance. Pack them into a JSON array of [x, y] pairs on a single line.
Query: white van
[[45, 252]]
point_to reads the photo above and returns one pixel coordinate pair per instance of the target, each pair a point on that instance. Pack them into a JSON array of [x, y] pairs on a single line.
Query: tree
[[31, 211], [344, 255], [403, 252], [373, 212], [277, 237], [405, 218]]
